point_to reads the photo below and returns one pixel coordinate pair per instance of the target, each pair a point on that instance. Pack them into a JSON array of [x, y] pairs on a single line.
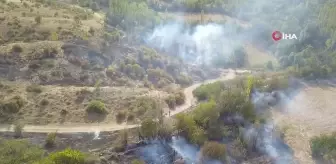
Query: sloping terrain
[[62, 105], [309, 113], [75, 116]]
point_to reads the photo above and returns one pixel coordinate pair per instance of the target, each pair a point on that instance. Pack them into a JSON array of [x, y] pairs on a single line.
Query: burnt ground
[[103, 148]]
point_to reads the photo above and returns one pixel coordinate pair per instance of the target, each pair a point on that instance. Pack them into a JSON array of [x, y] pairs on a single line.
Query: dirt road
[[75, 128]]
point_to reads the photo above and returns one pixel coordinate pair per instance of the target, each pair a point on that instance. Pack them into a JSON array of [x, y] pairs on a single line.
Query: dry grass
[[33, 50], [310, 113], [68, 104], [258, 58], [56, 17]]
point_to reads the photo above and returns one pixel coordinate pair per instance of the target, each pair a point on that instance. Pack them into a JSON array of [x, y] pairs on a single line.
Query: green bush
[[205, 112], [96, 106], [18, 129], [144, 105], [19, 152], [208, 91], [171, 102], [50, 140], [17, 48], [38, 19], [34, 88], [214, 150], [149, 128], [324, 147], [12, 105], [67, 156], [180, 98], [137, 161]]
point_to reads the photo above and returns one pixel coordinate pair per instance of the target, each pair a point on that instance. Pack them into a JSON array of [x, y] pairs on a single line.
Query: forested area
[[311, 56]]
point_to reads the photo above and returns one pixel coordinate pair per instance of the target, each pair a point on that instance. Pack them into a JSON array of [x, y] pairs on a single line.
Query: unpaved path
[[310, 113], [74, 128]]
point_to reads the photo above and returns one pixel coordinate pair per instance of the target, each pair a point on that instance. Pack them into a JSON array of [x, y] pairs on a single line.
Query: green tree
[[149, 128]]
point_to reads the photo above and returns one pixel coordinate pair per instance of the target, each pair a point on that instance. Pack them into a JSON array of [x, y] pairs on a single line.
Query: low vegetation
[[205, 125], [324, 147], [96, 106], [21, 151], [50, 140]]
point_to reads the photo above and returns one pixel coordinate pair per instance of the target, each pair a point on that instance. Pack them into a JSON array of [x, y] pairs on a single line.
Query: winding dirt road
[[76, 128]]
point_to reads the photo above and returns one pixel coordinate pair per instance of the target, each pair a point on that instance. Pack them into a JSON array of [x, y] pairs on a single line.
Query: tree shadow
[[95, 117]]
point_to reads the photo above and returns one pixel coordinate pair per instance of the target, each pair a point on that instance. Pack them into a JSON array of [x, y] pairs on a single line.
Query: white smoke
[[195, 45]]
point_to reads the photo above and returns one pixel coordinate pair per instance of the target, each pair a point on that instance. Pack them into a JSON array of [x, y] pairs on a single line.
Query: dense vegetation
[[20, 151], [312, 55], [220, 101], [324, 148]]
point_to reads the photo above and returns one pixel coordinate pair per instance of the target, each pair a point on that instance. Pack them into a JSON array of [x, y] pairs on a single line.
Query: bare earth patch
[[310, 113]]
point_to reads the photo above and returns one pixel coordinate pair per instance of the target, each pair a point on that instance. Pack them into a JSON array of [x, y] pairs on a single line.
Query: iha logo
[[277, 35]]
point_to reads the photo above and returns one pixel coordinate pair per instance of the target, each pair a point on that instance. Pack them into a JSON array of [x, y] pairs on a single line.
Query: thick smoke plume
[[197, 45]]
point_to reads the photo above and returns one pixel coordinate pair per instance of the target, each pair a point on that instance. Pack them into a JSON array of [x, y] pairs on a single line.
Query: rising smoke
[[196, 45], [209, 42]]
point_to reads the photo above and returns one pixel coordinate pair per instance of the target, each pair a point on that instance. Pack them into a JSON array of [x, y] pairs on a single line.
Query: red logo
[[276, 35]]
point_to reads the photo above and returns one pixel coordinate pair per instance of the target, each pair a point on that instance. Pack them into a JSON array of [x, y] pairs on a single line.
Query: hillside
[[166, 82]]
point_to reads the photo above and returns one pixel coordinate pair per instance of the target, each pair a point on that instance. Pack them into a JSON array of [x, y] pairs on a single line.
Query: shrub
[[44, 102], [130, 117], [34, 88], [149, 128], [324, 147], [13, 105], [238, 149], [171, 102], [19, 152], [214, 150], [208, 91], [144, 104], [96, 106], [137, 161], [50, 140], [180, 98], [18, 129], [17, 48], [205, 112], [67, 156], [38, 19], [198, 136], [92, 31], [121, 115]]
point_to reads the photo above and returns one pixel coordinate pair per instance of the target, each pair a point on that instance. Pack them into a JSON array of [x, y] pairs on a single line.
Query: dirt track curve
[[76, 128]]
